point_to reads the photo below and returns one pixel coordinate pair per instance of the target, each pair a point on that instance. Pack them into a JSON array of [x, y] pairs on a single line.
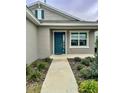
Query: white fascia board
[[30, 16], [69, 24]]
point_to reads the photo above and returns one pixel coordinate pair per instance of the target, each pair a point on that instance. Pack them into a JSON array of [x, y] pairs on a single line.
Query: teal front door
[[59, 43]]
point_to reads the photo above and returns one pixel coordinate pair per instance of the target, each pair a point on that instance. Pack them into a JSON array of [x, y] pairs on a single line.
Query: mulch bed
[[38, 84], [76, 72]]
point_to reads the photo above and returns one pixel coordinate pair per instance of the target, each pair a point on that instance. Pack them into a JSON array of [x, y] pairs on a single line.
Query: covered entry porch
[[71, 41]]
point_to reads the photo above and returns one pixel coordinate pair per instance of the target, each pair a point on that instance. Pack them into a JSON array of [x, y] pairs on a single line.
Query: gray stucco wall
[[31, 42], [44, 48], [39, 42]]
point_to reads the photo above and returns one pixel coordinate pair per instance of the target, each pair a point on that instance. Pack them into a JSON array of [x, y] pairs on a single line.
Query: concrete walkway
[[60, 78]]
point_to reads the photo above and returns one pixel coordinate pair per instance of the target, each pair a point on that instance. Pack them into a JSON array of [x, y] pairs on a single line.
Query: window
[[39, 13], [83, 39], [79, 39], [74, 39]]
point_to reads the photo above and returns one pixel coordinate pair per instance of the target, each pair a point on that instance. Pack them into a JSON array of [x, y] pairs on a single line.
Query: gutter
[[70, 24]]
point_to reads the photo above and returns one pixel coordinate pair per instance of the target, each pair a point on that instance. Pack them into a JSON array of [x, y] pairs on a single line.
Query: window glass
[[83, 39], [74, 39], [78, 39], [39, 14]]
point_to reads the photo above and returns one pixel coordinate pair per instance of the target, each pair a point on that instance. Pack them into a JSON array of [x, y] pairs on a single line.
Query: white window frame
[[37, 13], [86, 31], [39, 10]]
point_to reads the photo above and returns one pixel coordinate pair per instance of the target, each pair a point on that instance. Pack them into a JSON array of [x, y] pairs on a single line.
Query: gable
[[51, 13]]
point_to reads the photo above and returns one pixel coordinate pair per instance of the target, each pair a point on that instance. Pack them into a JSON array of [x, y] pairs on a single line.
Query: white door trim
[[65, 39]]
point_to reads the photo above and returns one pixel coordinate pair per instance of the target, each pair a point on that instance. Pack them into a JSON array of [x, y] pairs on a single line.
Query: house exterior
[[50, 31]]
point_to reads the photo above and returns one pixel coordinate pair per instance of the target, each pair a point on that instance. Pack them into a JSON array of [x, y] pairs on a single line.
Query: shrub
[[85, 62], [32, 74], [35, 63], [36, 75], [41, 66], [88, 86], [80, 66], [91, 59], [48, 59], [77, 59], [94, 73], [85, 72], [88, 60], [28, 72]]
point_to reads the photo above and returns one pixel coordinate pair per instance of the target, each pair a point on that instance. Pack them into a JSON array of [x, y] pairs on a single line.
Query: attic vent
[[39, 14]]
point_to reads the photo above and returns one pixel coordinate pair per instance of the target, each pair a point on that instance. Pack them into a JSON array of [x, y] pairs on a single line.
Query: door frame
[[65, 40]]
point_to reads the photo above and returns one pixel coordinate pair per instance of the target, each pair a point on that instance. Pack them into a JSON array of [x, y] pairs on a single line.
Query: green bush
[[36, 75], [85, 62], [86, 72], [80, 66], [48, 59], [88, 86], [77, 59], [91, 59], [88, 60], [35, 63], [28, 72], [94, 72], [32, 74], [41, 66]]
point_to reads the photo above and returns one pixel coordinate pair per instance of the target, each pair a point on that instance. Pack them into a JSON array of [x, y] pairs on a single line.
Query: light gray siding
[[44, 48], [31, 42], [51, 15]]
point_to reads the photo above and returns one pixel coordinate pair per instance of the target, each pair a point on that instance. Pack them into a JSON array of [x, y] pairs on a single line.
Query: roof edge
[[31, 17], [55, 9]]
